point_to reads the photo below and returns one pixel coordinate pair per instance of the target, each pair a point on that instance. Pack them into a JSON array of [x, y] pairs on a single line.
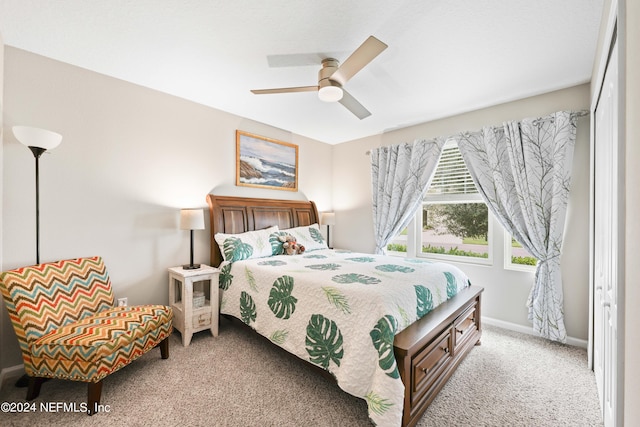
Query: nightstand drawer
[[200, 320]]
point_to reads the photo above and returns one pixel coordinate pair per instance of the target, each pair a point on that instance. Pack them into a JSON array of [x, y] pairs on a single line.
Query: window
[[455, 229], [454, 220], [516, 257], [454, 223]]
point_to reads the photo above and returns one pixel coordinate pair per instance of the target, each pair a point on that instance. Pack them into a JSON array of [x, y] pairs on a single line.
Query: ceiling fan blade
[[296, 59], [364, 54], [353, 105], [285, 90]]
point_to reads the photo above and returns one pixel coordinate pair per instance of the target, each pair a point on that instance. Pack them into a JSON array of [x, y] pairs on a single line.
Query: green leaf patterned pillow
[[308, 236], [252, 244]]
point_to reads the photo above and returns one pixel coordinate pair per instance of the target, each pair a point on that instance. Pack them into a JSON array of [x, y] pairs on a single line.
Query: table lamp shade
[[328, 218], [191, 219]]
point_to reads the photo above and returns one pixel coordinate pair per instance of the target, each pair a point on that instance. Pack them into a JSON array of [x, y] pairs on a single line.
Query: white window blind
[[452, 176]]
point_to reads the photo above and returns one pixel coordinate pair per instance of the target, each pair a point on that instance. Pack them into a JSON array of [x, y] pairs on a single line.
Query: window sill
[[521, 268], [458, 259]]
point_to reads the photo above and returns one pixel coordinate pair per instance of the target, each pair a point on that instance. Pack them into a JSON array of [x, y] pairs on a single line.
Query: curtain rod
[[579, 113]]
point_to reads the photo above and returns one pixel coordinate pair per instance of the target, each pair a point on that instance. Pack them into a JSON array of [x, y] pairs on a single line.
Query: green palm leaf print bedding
[[247, 308], [236, 250], [424, 300], [355, 278], [382, 337], [340, 311], [281, 302], [324, 341], [452, 285]]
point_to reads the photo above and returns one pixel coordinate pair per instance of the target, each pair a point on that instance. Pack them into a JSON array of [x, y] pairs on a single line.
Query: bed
[[389, 330]]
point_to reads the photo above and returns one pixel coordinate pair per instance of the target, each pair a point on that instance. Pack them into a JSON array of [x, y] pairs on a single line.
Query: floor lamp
[[191, 219], [328, 219], [38, 141]]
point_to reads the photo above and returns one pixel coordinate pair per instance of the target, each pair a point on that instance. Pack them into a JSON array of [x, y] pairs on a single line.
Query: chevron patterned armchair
[[67, 327]]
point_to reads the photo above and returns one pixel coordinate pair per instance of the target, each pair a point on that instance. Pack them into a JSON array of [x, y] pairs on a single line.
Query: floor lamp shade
[[36, 137], [191, 219], [38, 140]]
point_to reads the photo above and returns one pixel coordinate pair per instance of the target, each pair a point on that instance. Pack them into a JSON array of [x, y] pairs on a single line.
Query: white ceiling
[[444, 57]]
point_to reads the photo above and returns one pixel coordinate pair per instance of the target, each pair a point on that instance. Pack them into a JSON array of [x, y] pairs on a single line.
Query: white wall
[[3, 316], [506, 292], [130, 158]]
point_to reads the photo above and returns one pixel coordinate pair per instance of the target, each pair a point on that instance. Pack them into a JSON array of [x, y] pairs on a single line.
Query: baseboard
[[576, 342], [11, 374]]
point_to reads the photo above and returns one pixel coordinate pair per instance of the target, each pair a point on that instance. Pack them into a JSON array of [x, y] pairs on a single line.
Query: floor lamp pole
[[23, 381], [37, 152]]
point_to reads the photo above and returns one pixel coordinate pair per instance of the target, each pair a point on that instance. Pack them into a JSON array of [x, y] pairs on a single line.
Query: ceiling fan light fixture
[[330, 93], [332, 76]]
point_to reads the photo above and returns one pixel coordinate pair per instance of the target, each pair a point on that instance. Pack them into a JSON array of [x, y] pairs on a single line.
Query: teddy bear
[[290, 246]]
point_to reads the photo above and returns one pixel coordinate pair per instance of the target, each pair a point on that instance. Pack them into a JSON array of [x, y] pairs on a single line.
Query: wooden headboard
[[233, 215]]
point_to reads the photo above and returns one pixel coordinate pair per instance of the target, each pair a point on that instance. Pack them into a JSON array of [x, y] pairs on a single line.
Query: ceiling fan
[[332, 76]]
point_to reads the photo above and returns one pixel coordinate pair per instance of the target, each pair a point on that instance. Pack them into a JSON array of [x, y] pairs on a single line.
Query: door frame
[[615, 32]]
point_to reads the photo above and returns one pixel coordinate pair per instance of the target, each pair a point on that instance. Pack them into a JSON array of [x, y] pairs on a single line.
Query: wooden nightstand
[[187, 318]]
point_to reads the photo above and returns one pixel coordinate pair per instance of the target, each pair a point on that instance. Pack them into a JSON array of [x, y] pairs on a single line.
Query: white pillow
[[251, 244], [308, 236]]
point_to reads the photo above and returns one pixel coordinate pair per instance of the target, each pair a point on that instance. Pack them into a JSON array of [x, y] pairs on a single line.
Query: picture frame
[[265, 162]]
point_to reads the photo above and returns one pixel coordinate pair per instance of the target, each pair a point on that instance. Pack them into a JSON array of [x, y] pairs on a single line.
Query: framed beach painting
[[265, 162]]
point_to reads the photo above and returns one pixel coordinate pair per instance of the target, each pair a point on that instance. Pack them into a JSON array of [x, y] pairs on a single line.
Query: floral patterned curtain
[[523, 171], [400, 177]]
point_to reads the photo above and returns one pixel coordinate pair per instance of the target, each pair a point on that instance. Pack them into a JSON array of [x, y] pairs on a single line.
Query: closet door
[[605, 241]]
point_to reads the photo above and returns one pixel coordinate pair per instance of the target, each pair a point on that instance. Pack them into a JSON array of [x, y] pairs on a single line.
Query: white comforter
[[340, 310]]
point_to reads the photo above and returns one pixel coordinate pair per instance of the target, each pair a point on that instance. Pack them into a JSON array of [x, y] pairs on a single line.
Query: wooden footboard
[[430, 350]]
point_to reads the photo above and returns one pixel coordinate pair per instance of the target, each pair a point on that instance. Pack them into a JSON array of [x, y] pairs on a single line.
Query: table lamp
[[328, 219], [191, 219]]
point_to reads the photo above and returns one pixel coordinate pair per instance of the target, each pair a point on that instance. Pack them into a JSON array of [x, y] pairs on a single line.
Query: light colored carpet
[[239, 379]]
